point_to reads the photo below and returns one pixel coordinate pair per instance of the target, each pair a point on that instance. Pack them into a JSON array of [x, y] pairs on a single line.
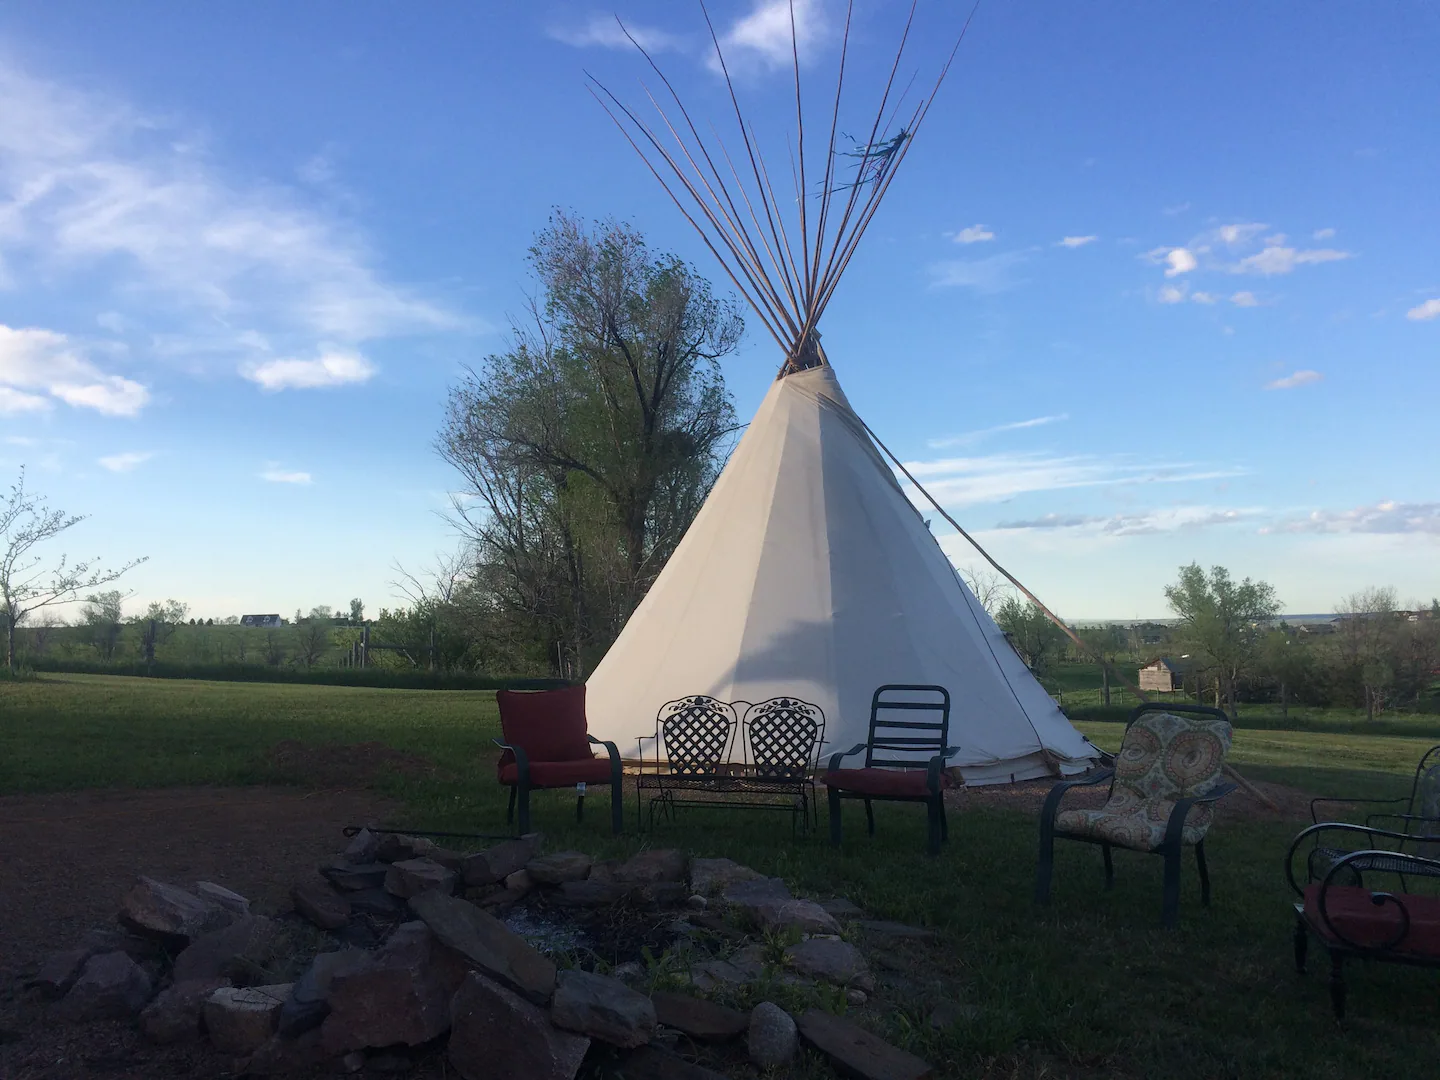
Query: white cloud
[[1075, 241], [1180, 261], [1323, 234], [764, 35], [124, 462], [276, 475], [1239, 234], [1244, 299], [33, 359], [92, 188], [329, 369], [1383, 517], [1299, 378], [974, 234], [1276, 259], [1167, 519], [1428, 310], [1171, 294], [603, 31], [1204, 298], [965, 438], [989, 275]]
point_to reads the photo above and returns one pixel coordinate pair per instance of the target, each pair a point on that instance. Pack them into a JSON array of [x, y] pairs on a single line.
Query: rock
[[239, 1020], [772, 1039], [174, 1016], [60, 970], [279, 1055], [662, 894], [841, 908], [389, 1063], [832, 960], [307, 1007], [145, 951], [560, 867], [396, 847], [697, 902], [652, 1063], [881, 928], [698, 1018], [232, 952], [320, 904], [806, 916], [363, 847], [649, 867], [487, 943], [749, 893], [449, 859], [743, 967], [592, 893], [400, 995], [853, 1051], [500, 900], [496, 1033], [375, 902], [716, 924], [352, 877], [411, 877], [855, 996], [218, 894], [111, 986], [497, 863], [709, 876], [352, 1062], [603, 1008], [519, 882], [157, 908]]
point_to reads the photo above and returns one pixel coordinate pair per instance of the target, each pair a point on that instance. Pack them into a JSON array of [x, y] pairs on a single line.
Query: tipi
[[808, 572]]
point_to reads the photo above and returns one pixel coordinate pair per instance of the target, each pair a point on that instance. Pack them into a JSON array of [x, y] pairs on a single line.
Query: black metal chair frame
[[1408, 815], [1353, 865], [781, 740], [1171, 848], [520, 790], [936, 738]]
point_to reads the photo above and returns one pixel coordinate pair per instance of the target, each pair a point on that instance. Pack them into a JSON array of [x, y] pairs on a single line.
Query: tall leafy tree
[[1223, 620], [1031, 633]]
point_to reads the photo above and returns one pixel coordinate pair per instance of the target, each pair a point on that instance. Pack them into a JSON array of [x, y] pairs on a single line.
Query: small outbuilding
[[1163, 675]]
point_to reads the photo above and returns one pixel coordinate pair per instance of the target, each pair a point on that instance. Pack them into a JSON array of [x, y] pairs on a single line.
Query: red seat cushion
[[549, 725], [545, 774], [882, 782], [1361, 921]]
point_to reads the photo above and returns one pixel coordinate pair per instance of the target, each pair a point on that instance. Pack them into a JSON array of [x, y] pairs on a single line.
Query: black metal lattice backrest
[[695, 734], [784, 736], [909, 724]]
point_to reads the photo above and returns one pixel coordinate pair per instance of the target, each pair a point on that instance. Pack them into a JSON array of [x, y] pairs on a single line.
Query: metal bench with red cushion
[[547, 745]]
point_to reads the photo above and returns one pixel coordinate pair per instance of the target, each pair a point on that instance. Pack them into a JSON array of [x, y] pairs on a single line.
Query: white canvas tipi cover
[[808, 573]]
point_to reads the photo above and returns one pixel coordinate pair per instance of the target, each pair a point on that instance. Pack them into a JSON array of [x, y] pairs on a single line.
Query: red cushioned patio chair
[[904, 758], [546, 745]]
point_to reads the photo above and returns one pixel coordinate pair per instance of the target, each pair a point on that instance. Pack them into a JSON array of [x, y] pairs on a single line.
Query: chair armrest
[[1175, 827], [522, 761], [1343, 827], [1315, 803], [1052, 800], [835, 758], [1402, 817], [610, 748], [934, 765]]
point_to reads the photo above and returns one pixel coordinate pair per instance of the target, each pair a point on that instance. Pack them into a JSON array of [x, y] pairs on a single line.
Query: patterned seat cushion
[[1164, 758]]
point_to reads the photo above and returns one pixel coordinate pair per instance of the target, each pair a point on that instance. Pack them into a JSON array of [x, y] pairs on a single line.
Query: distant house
[[268, 622], [1163, 675]]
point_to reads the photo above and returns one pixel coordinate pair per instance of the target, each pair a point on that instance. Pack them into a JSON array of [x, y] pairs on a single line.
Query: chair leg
[[1170, 903], [510, 810], [834, 817], [523, 791], [1109, 866], [617, 808], [579, 808], [1302, 945], [933, 822], [1204, 874], [869, 817], [944, 824], [1337, 985], [1045, 866]]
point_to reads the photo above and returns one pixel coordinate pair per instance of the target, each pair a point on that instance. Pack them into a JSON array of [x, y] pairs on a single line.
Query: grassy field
[[1090, 987]]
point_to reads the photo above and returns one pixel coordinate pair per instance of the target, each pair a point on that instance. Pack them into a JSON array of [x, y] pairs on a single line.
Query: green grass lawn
[[1090, 987]]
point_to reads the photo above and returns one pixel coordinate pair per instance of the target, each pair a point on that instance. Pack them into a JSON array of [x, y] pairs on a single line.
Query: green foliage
[[1038, 640], [1222, 619]]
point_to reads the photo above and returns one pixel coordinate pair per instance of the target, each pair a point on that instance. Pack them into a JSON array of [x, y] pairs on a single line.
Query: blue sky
[[1157, 282]]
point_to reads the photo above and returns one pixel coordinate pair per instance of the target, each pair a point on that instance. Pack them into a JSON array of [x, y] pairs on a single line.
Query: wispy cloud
[[1322, 234], [969, 437], [1172, 294], [124, 462], [764, 35], [1428, 310], [1299, 378], [1075, 241], [1244, 299], [604, 31], [1278, 259], [993, 274], [328, 369], [998, 477], [974, 234], [1163, 520], [1238, 235], [1204, 298], [39, 367], [276, 475], [1382, 517]]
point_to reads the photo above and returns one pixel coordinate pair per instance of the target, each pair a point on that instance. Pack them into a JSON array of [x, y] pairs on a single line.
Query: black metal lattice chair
[[1348, 904], [782, 738], [1416, 815], [893, 750], [1166, 776], [692, 741]]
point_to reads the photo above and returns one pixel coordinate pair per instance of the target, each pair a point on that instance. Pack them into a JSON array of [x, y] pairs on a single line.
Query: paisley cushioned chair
[[1163, 786]]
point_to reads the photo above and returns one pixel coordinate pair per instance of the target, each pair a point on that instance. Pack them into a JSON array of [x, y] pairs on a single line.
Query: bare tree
[[1369, 643], [989, 588], [28, 582]]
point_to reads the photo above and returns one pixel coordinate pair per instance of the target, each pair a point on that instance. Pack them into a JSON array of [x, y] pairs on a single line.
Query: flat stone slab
[[411, 877], [698, 1018], [560, 867], [841, 908], [832, 960], [602, 1008], [805, 916], [233, 951], [855, 1052], [750, 893], [160, 908], [649, 867], [110, 987], [239, 1020], [496, 1033], [353, 876], [60, 970], [174, 1016], [709, 876], [652, 1063], [487, 943], [894, 929], [497, 863], [218, 894]]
